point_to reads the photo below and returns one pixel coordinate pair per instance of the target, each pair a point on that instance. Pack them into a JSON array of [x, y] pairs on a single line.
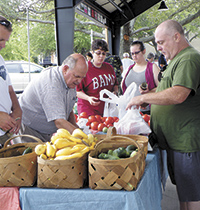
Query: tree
[[185, 12], [42, 31]]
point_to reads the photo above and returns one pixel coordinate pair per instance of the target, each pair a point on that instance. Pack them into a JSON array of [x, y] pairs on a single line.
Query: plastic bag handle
[[112, 97]]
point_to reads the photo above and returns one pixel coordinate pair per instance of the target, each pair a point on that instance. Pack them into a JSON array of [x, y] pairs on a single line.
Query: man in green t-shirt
[[175, 111]]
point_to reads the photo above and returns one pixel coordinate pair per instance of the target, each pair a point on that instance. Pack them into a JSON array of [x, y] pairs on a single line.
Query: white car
[[19, 73]]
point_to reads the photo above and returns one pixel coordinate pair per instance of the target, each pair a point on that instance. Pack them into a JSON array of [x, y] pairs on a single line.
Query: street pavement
[[170, 197]]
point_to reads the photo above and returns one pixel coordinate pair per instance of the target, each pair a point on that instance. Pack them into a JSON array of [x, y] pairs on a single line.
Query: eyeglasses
[[6, 23], [135, 53], [160, 72], [99, 53]]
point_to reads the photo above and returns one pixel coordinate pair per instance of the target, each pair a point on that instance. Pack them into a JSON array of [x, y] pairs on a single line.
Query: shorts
[[184, 172]]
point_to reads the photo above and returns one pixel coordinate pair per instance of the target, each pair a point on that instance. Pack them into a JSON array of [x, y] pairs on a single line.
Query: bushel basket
[[124, 173], [17, 169], [138, 138], [70, 173]]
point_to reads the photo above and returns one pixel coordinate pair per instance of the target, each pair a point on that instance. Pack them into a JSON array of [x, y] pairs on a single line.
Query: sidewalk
[[170, 197]]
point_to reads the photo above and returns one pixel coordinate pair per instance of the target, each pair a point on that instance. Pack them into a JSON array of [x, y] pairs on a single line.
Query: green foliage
[[42, 36], [16, 48], [178, 10], [82, 41], [42, 39], [42, 29]]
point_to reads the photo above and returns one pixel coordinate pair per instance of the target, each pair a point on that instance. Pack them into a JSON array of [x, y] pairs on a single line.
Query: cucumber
[[27, 150], [130, 149]]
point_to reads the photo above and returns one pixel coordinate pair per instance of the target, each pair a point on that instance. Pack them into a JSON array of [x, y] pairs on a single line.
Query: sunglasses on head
[[6, 23], [135, 53]]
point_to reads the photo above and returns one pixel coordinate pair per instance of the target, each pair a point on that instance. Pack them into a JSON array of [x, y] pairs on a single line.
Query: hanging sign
[[92, 13]]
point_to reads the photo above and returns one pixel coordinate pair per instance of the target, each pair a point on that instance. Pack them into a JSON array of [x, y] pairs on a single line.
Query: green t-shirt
[[179, 125]]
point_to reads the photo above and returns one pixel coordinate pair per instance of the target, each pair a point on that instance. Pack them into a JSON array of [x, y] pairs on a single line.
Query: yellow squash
[[65, 157], [63, 133], [75, 139], [51, 150], [85, 150], [62, 143], [43, 156], [40, 149], [78, 133], [67, 151], [90, 138]]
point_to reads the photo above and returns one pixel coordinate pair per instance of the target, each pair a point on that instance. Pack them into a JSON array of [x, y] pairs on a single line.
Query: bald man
[[175, 112], [47, 102]]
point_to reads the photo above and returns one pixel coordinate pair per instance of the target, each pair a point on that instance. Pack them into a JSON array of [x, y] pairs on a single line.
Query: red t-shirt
[[96, 80]]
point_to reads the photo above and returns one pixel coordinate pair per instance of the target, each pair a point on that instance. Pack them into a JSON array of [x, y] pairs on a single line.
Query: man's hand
[[8, 123], [135, 101], [17, 125]]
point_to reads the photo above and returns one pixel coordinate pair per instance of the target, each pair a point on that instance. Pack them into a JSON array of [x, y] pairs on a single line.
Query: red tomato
[[94, 125], [88, 124], [116, 119], [76, 117], [105, 124], [92, 118], [109, 125], [149, 122], [146, 117], [98, 117], [101, 126], [103, 119], [109, 120], [83, 115]]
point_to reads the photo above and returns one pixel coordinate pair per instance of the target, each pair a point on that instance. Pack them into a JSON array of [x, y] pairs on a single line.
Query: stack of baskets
[[17, 169], [119, 174]]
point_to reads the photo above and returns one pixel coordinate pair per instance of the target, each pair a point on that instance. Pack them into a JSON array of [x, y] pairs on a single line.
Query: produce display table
[[147, 196]]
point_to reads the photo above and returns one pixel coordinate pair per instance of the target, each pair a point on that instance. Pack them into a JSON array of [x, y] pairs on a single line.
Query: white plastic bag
[[82, 124], [132, 123], [111, 103], [125, 98], [110, 110], [121, 101]]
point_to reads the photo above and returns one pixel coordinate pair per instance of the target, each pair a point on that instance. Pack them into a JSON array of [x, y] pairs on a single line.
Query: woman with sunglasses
[[141, 72], [100, 76]]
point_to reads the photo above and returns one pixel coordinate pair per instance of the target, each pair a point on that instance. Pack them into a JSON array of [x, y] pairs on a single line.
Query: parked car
[[19, 73]]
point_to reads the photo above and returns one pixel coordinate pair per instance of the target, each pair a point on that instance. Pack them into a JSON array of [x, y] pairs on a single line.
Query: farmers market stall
[[78, 170], [148, 194]]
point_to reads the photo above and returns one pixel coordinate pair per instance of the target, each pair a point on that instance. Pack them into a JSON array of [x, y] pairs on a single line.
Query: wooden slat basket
[[17, 169], [122, 174], [71, 173], [112, 132]]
